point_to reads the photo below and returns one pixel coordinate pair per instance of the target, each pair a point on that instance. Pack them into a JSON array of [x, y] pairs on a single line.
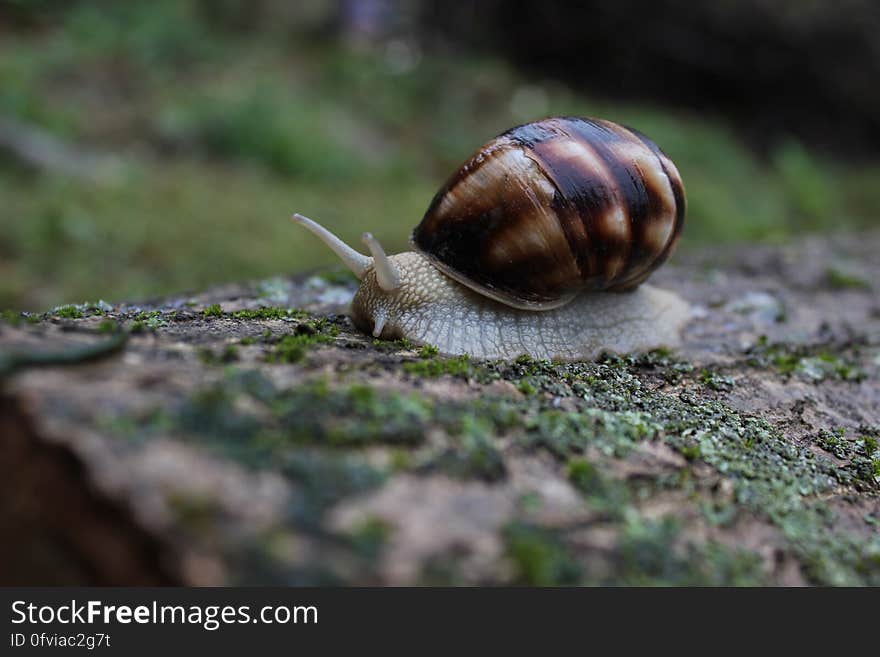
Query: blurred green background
[[150, 147]]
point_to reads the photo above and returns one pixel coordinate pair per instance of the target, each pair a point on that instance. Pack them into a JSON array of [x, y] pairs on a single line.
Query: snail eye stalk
[[386, 273], [356, 262]]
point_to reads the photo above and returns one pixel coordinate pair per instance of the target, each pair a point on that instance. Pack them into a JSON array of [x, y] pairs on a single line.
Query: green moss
[[660, 361], [650, 553], [566, 433], [352, 416], [861, 468], [400, 459], [228, 354], [428, 351], [109, 326], [69, 312], [832, 442], [296, 432], [80, 310], [198, 514], [771, 477], [391, 346], [271, 312], [811, 363], [293, 348], [459, 366], [11, 317], [843, 279], [584, 476], [152, 320], [311, 413], [647, 552], [323, 478], [827, 365], [604, 409], [604, 493], [471, 452], [214, 310], [370, 537], [210, 416], [357, 415], [716, 381], [540, 557]]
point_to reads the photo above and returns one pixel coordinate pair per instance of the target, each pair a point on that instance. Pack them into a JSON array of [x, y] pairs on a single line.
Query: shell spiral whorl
[[552, 208]]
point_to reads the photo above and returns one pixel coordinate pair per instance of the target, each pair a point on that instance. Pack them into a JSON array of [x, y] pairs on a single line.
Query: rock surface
[[249, 435]]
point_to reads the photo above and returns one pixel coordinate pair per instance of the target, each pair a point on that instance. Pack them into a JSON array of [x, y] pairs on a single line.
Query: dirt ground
[[249, 434]]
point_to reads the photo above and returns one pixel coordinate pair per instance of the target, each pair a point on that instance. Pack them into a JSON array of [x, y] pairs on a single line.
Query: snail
[[537, 245]]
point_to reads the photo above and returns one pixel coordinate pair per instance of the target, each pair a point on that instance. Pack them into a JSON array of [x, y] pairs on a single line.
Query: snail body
[[537, 245]]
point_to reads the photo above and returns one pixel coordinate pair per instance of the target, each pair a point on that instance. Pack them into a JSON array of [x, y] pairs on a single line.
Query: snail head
[[393, 288]]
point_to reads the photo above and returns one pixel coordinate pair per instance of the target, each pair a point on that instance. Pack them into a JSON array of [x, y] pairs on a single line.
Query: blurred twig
[[38, 149], [12, 361]]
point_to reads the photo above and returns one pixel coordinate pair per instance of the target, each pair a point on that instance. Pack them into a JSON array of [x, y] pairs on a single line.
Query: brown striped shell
[[552, 208]]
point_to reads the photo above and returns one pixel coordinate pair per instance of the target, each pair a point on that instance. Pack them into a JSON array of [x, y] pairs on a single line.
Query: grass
[[223, 135]]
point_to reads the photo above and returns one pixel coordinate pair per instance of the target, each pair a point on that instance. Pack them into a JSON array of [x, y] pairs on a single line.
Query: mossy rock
[[248, 440]]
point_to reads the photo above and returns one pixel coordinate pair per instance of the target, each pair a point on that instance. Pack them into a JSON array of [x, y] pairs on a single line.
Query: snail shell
[[550, 209]]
